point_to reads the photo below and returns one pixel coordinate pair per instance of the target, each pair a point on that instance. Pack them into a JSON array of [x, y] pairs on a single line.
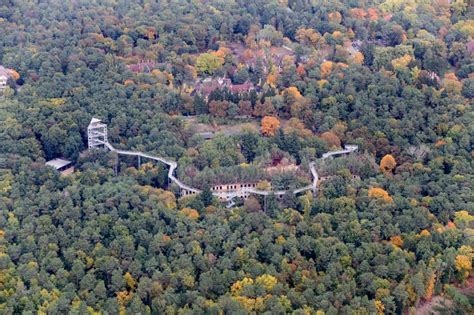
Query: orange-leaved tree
[[191, 213], [15, 75], [431, 281], [396, 241], [272, 79], [326, 69], [292, 94], [270, 125], [388, 163], [379, 193], [358, 58]]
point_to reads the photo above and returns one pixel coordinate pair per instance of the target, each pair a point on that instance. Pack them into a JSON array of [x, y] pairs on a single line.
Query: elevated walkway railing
[[231, 194]]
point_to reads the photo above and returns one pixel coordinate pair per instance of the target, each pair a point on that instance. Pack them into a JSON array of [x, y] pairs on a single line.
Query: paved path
[[231, 194]]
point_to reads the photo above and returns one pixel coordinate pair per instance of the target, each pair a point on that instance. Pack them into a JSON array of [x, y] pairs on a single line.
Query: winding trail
[[231, 194]]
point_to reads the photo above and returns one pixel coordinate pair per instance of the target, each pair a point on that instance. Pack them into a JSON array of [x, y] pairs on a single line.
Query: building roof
[[58, 163], [209, 85], [4, 72], [241, 88], [206, 135], [96, 122], [142, 66]]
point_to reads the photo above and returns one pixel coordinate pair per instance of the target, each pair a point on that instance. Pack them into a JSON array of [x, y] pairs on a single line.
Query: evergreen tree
[[206, 195], [200, 105]]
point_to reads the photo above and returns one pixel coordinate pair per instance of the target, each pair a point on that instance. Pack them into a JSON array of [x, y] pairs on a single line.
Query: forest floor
[[426, 308]]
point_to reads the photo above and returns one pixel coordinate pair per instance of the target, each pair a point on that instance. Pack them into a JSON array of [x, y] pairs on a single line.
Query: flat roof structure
[[58, 163], [206, 135], [4, 71]]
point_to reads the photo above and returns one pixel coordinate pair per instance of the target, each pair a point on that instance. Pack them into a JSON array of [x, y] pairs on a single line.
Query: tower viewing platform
[[96, 133]]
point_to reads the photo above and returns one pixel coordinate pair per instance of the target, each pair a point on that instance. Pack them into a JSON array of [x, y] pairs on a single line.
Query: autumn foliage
[[300, 70], [293, 93], [218, 108], [15, 75], [430, 286], [191, 213], [307, 36], [388, 163], [131, 283], [379, 193], [335, 17], [272, 80], [270, 125], [123, 298], [331, 139], [358, 13], [295, 80], [464, 262], [396, 241], [451, 84], [266, 281], [402, 62], [326, 68], [358, 58]]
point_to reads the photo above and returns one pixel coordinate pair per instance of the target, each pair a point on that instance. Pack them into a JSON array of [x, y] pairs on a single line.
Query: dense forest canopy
[[237, 91]]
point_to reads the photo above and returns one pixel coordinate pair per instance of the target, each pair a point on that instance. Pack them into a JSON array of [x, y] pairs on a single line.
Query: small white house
[[4, 75]]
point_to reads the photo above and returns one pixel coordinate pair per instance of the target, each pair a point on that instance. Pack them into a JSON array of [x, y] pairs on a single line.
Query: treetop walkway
[[97, 137]]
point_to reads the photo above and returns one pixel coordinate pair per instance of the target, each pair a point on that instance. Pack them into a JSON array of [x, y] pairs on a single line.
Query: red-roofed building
[[209, 85]]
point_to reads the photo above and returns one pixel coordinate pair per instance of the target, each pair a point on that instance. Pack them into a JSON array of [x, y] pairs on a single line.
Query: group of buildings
[[209, 85]]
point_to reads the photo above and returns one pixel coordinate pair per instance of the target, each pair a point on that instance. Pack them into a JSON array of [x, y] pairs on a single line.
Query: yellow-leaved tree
[[208, 63], [123, 297], [462, 219], [402, 62], [264, 185], [451, 84], [266, 281], [464, 262], [379, 307], [131, 283]]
